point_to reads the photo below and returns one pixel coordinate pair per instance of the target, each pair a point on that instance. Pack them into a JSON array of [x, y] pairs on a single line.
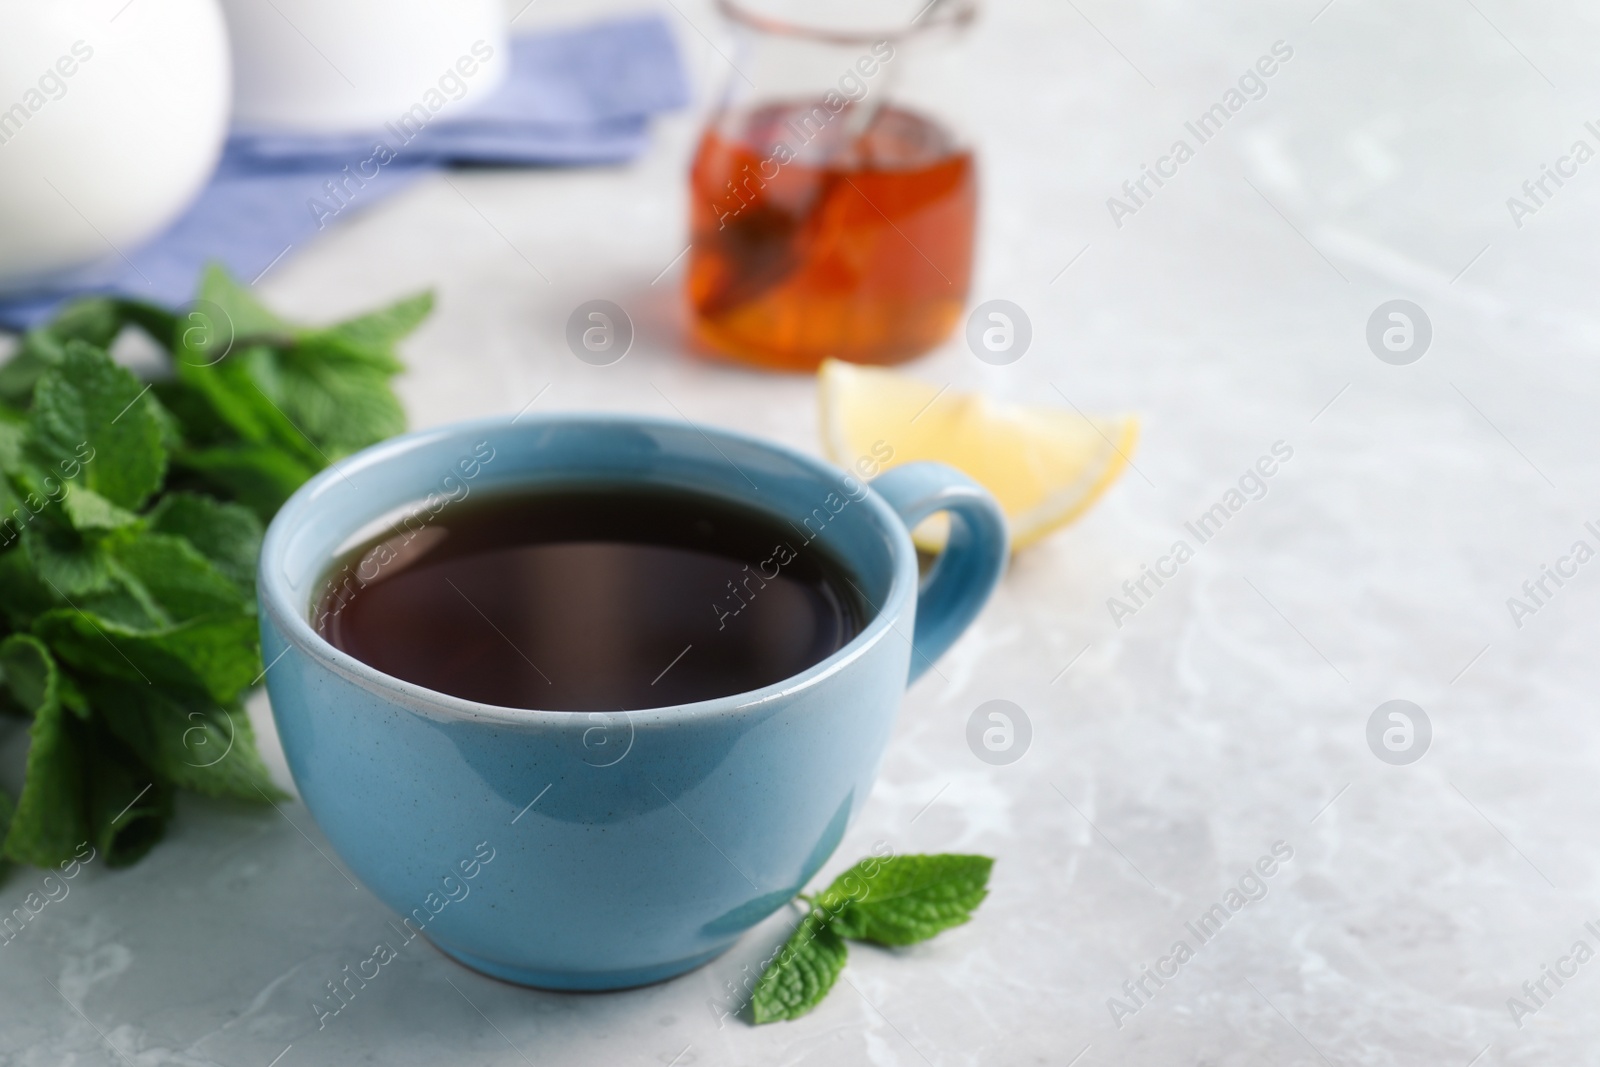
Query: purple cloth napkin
[[575, 96]]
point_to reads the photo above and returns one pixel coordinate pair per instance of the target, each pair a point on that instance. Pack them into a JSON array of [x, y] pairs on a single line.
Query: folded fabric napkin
[[576, 96]]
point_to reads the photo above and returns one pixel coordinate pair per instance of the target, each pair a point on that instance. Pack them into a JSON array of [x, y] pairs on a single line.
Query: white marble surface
[[1228, 714]]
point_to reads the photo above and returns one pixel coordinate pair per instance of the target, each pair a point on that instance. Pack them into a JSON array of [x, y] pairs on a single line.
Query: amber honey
[[814, 238]]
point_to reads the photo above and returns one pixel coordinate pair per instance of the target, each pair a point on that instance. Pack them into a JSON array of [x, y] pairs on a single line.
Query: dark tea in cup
[[591, 599]]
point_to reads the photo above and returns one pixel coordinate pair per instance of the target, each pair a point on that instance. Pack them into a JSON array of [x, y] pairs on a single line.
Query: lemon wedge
[[1046, 466]]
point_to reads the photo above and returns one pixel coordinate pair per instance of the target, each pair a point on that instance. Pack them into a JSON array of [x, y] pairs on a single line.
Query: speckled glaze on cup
[[627, 847]]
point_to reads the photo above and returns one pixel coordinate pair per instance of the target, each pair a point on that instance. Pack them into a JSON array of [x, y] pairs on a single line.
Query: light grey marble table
[[1169, 753]]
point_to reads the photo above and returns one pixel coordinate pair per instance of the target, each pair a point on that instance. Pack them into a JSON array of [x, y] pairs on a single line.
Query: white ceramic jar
[[112, 116], [352, 65]]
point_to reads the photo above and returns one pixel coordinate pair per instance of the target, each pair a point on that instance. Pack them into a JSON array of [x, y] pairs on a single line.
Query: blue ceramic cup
[[602, 850]]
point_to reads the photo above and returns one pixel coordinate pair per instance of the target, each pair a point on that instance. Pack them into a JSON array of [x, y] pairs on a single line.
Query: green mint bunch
[[131, 515], [896, 900]]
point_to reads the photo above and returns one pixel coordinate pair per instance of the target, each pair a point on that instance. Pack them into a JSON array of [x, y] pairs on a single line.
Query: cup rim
[[277, 603], [952, 13]]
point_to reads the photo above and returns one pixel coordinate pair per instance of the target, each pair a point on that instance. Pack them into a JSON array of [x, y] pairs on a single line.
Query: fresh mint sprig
[[897, 900], [131, 515]]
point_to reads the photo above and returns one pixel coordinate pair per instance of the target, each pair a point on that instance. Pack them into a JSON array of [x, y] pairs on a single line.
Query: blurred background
[[1231, 307]]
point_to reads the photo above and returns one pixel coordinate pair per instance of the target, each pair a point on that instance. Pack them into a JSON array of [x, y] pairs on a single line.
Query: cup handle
[[972, 561]]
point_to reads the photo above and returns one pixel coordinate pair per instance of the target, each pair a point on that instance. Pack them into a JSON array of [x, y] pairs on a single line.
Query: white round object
[[328, 66], [112, 117]]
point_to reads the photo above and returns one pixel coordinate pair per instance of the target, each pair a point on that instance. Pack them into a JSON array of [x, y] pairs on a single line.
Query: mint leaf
[[127, 803], [23, 597], [238, 394], [28, 673], [13, 436], [159, 323], [279, 403], [30, 679], [342, 407], [216, 754], [14, 515], [246, 316], [901, 900], [192, 743], [95, 320], [51, 818], [132, 632], [20, 373], [68, 563], [330, 385], [258, 476], [898, 900], [127, 604], [226, 534], [214, 655], [90, 416], [176, 577], [86, 509], [801, 974], [200, 423], [374, 335]]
